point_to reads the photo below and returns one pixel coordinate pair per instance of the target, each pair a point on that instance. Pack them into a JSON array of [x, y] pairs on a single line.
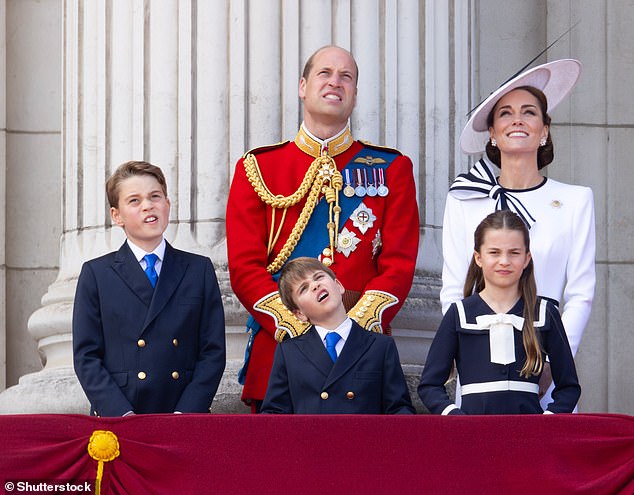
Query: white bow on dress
[[501, 338]]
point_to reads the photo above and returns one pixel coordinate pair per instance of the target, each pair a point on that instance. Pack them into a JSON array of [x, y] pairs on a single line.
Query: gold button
[[324, 395], [175, 375], [326, 261], [142, 375], [350, 395], [326, 252], [175, 342], [140, 343]]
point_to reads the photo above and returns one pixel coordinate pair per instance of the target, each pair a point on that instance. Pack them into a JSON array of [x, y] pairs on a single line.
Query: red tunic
[[248, 224]]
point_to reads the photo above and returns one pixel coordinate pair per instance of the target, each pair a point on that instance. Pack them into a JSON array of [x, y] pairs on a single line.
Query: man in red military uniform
[[350, 204]]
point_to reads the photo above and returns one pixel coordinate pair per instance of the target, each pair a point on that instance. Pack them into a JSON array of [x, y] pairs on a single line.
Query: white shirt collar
[[139, 253], [343, 329]]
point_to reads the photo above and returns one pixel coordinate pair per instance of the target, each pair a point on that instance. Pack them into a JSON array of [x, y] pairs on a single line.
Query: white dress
[[562, 244]]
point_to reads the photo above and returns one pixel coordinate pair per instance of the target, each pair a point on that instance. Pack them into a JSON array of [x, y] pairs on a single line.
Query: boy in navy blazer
[[335, 367], [148, 342]]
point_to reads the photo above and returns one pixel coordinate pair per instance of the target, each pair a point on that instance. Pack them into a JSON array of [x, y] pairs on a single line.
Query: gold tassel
[[102, 447]]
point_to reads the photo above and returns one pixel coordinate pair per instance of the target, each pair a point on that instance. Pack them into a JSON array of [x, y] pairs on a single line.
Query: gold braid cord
[[321, 177], [368, 310], [286, 323]]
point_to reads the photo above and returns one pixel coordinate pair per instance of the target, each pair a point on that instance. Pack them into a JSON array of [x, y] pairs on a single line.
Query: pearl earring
[[494, 143], [542, 142]]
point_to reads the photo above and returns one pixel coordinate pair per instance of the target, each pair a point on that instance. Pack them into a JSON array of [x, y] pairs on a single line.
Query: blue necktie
[[150, 260], [331, 341]]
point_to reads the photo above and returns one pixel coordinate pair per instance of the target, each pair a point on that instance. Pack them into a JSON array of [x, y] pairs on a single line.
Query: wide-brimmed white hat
[[555, 79]]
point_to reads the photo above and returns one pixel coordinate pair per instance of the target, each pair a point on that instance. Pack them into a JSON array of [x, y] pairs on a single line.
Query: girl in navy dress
[[501, 334]]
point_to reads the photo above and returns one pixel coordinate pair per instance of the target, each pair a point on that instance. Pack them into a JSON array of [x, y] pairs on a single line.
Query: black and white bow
[[480, 182]]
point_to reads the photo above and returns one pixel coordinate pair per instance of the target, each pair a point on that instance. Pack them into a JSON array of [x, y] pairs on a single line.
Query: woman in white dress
[[513, 126]]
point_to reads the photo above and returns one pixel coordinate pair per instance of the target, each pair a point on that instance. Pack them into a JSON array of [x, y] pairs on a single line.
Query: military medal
[[348, 191], [377, 244], [347, 242], [382, 189], [363, 218], [360, 189], [371, 187]]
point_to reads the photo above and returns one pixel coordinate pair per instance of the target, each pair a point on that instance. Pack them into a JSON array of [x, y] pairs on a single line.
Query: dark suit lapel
[[129, 269], [172, 272], [313, 348], [357, 344]]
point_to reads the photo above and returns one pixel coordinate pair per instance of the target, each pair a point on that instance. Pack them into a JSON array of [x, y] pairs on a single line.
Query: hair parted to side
[[132, 169], [295, 271], [308, 66], [475, 283], [546, 153]]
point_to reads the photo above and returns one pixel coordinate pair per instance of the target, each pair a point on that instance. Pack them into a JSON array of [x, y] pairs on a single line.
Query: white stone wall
[[32, 175], [192, 84]]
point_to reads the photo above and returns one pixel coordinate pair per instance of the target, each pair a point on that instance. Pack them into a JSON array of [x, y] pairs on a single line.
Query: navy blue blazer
[[148, 350], [367, 377]]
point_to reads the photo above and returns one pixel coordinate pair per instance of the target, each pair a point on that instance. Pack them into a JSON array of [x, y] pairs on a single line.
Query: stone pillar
[[33, 109], [3, 170]]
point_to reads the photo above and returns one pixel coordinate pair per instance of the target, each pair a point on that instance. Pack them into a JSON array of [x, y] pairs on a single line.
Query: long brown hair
[[474, 283]]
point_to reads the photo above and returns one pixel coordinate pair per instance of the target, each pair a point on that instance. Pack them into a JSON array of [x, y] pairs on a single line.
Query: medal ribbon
[[315, 237]]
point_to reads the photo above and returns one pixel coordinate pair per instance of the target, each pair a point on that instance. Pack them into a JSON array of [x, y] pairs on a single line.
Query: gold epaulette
[[286, 323], [262, 149], [368, 310], [380, 148]]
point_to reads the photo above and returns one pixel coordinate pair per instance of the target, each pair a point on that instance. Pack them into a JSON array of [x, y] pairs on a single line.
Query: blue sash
[[315, 235]]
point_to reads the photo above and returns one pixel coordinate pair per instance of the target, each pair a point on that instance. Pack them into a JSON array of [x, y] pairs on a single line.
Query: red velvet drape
[[201, 454]]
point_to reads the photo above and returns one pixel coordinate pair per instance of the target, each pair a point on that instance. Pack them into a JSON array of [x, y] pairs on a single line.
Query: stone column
[[139, 83], [3, 169], [32, 85]]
